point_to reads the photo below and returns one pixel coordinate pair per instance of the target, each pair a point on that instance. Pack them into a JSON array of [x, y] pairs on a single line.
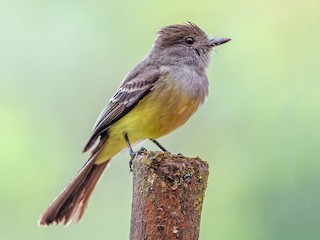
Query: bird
[[156, 97]]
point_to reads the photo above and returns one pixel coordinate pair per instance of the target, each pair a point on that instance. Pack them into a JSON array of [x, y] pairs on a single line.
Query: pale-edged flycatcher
[[156, 97]]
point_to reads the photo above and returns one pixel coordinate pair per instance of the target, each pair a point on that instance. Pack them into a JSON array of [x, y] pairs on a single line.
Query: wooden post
[[168, 192]]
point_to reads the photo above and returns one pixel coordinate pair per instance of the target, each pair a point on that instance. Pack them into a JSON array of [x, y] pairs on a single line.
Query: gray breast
[[193, 82]]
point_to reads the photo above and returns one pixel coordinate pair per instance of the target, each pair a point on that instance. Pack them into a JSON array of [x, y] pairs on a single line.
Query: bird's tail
[[72, 201]]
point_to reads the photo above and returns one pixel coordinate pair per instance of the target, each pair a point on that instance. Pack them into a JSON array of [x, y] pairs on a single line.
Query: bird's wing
[[133, 89]]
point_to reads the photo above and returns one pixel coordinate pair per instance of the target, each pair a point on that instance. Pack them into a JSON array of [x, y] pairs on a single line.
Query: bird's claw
[[133, 156]]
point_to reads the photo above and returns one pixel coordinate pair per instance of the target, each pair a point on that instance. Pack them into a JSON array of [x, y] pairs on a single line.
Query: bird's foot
[[134, 154]]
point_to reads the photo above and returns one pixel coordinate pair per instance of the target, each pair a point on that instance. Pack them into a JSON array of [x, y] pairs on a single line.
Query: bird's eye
[[189, 40]]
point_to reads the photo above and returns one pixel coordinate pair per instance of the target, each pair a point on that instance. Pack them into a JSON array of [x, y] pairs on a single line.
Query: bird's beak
[[218, 41]]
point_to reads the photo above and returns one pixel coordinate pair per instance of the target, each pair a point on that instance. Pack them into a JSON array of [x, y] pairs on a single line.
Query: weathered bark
[[168, 192]]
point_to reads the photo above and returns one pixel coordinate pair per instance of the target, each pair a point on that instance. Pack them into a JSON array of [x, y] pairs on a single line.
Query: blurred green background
[[61, 61]]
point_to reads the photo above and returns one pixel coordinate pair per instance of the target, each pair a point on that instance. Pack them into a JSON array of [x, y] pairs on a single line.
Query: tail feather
[[72, 201]]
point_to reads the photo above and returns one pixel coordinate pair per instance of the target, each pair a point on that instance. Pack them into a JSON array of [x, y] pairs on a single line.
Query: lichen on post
[[168, 193]]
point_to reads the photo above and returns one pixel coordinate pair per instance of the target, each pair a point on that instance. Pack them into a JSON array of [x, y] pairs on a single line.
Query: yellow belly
[[160, 112]]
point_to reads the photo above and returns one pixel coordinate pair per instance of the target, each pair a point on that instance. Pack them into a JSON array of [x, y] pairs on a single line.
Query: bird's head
[[186, 43]]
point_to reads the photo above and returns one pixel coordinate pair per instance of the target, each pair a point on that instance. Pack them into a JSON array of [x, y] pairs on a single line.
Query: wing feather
[[133, 89]]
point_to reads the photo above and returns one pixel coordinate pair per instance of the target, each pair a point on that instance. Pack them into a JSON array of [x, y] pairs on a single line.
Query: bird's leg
[[132, 153], [158, 144]]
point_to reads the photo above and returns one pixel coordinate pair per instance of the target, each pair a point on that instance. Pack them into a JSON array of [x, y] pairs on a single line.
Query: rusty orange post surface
[[168, 193]]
